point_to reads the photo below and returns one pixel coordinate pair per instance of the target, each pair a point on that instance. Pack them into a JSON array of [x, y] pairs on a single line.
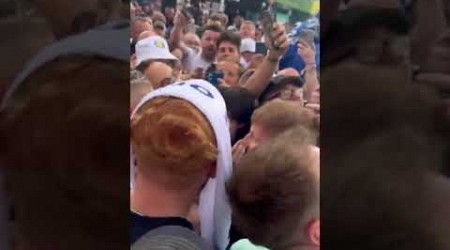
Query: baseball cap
[[153, 48], [279, 82], [248, 45]]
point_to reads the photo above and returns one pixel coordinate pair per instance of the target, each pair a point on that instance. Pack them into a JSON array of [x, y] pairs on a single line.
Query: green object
[[308, 6], [282, 17], [245, 244]]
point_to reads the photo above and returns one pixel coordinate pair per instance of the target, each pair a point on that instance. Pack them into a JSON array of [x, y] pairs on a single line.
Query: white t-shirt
[[193, 60]]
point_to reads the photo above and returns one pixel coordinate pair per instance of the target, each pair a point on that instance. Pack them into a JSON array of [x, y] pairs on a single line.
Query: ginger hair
[[171, 135]]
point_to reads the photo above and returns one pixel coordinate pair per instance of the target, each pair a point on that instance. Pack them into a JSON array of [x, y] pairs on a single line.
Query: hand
[[238, 151], [306, 52], [223, 84], [280, 41], [199, 73], [315, 96], [314, 107], [179, 20]]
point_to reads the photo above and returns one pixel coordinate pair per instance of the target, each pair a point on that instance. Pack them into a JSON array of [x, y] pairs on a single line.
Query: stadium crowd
[[224, 132]]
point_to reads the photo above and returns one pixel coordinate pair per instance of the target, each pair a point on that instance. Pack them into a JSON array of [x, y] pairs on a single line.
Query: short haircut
[[213, 28], [273, 190], [277, 116], [247, 22], [231, 37], [171, 135], [221, 17]]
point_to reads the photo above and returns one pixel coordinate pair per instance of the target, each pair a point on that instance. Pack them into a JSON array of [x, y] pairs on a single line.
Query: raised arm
[[176, 37], [308, 54], [258, 82]]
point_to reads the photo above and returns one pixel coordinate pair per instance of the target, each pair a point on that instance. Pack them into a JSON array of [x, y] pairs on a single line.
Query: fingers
[[313, 106], [303, 44], [279, 36]]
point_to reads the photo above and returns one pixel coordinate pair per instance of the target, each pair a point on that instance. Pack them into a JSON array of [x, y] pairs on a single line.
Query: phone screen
[[213, 77]]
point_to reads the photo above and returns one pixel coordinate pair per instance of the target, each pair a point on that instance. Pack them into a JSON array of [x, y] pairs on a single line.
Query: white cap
[[153, 48], [248, 45]]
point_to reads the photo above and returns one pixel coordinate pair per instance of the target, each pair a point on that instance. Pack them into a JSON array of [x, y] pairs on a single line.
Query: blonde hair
[[172, 135], [278, 116]]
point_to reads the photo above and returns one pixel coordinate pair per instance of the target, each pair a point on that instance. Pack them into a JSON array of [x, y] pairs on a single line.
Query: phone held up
[[267, 23]]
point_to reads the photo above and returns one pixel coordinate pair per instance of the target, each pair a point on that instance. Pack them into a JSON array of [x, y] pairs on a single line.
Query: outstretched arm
[[259, 81]]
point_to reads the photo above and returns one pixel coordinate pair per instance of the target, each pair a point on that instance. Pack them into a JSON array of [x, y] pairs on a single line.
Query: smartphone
[[213, 77], [261, 48], [267, 23]]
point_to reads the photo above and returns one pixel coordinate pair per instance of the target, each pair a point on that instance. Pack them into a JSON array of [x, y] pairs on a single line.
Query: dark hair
[[221, 17], [240, 106], [213, 28], [231, 37]]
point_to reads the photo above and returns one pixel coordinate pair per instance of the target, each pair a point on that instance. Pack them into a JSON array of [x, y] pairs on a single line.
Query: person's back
[[175, 149], [177, 133]]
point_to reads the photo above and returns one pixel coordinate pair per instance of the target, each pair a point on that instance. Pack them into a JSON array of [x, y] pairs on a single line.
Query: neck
[[153, 200]]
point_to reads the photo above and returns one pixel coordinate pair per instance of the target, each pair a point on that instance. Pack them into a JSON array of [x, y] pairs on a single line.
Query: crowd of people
[[224, 133]]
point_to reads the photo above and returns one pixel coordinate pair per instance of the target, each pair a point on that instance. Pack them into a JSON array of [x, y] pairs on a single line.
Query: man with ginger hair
[[180, 142], [176, 152]]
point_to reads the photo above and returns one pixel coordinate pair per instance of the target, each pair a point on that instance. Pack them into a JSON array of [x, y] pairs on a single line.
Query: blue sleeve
[[292, 60]]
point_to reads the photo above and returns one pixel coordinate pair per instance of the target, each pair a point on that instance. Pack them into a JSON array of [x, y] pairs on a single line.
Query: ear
[[313, 233]]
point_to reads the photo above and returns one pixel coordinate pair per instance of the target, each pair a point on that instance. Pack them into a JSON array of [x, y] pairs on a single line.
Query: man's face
[[247, 31], [209, 41], [231, 73], [139, 27], [247, 56], [227, 49], [169, 13], [159, 74], [161, 31], [256, 137]]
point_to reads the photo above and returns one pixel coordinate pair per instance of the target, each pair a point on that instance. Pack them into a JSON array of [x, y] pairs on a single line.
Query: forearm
[[311, 81], [259, 81], [176, 37]]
